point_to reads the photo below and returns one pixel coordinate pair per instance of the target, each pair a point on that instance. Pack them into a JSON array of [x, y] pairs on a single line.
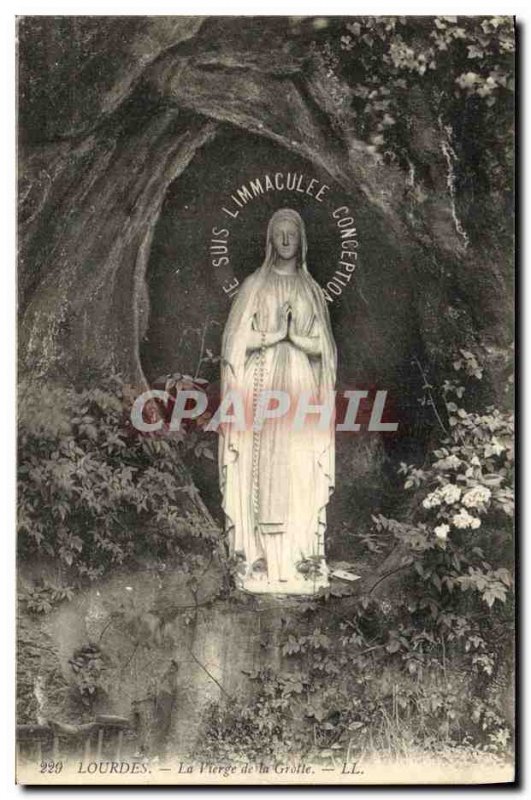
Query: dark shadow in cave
[[374, 320]]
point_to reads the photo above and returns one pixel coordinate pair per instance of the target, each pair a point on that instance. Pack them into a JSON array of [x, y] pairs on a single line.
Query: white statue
[[276, 480]]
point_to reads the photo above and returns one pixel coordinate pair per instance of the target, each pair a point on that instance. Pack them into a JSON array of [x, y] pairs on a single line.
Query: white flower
[[477, 496], [465, 520], [450, 493], [441, 532], [432, 500]]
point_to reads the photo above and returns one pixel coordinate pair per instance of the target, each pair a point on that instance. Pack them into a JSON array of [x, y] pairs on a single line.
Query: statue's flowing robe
[[276, 482]]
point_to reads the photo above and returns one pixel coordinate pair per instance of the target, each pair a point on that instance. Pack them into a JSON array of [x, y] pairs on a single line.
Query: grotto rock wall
[[112, 110]]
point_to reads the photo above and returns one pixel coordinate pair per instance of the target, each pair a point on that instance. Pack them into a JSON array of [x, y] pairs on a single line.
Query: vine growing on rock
[[426, 89], [41, 686]]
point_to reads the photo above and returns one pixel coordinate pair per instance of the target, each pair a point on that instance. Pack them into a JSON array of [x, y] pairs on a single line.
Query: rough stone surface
[[112, 113], [164, 660], [94, 172]]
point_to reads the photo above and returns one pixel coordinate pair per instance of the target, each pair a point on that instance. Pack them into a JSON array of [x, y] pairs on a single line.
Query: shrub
[[92, 492], [431, 670]]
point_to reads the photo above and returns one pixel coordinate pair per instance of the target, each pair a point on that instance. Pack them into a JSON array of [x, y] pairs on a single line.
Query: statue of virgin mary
[[276, 478]]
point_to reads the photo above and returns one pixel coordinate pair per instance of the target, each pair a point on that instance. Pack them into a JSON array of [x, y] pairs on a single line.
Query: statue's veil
[[233, 358]]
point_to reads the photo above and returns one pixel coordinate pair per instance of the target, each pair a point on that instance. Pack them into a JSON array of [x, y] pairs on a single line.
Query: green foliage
[[381, 679], [39, 676], [464, 499], [257, 730], [431, 670], [42, 597], [92, 491], [193, 439], [359, 674], [418, 91], [452, 59]]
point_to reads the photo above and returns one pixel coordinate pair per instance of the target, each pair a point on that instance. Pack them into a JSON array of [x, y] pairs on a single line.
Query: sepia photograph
[[265, 395]]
